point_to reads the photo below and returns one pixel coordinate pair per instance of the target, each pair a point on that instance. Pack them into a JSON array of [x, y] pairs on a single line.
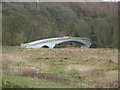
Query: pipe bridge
[[52, 42]]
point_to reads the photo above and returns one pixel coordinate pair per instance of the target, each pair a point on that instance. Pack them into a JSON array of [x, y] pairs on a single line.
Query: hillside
[[25, 22]]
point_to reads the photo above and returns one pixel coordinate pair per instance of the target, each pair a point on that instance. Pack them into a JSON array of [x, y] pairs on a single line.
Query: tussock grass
[[13, 81], [82, 67], [35, 73]]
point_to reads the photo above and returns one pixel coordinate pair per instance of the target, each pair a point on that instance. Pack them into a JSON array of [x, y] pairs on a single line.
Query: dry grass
[[74, 66], [80, 68], [35, 73]]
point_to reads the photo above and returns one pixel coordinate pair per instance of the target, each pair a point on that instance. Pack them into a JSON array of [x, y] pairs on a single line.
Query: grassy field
[[59, 68]]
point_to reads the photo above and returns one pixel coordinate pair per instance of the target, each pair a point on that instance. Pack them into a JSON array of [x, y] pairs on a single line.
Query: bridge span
[[52, 42]]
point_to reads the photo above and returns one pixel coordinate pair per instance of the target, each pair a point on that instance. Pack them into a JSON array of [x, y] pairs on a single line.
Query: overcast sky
[[59, 0], [111, 0]]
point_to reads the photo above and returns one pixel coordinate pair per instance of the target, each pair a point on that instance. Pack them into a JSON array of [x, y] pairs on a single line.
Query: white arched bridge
[[52, 42]]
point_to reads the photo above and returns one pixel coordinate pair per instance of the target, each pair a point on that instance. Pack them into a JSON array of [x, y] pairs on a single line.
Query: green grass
[[98, 62], [12, 81], [12, 48], [14, 63]]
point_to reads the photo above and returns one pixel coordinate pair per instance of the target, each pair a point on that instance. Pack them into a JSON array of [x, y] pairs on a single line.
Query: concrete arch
[[76, 42], [45, 46], [51, 42]]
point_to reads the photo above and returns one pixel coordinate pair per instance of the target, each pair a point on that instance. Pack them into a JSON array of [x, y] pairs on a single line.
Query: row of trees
[[25, 22]]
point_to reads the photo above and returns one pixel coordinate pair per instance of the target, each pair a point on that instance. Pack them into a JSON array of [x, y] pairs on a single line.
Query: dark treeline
[[25, 22]]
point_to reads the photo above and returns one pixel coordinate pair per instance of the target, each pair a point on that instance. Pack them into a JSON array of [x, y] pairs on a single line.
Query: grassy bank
[[13, 81], [63, 67]]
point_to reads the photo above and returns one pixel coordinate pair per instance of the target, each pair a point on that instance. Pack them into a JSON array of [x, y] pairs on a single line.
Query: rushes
[[35, 73]]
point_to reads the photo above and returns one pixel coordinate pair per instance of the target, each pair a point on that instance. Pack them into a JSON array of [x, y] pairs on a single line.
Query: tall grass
[[35, 73]]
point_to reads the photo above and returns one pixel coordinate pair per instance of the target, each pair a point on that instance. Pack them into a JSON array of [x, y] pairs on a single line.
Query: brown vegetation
[[35, 73], [79, 67]]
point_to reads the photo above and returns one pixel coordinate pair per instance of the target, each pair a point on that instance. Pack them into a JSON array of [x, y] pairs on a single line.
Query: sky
[[60, 0], [111, 0]]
